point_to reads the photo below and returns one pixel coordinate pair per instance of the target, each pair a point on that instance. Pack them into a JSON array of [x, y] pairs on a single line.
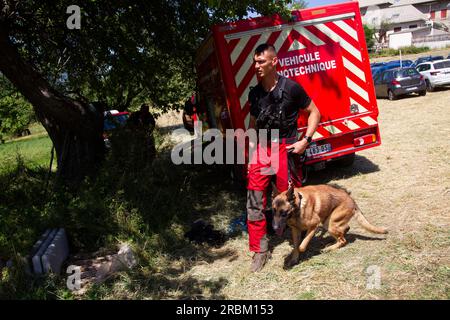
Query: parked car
[[375, 71], [113, 119], [425, 59], [377, 64], [396, 63], [399, 81], [390, 65], [436, 73]]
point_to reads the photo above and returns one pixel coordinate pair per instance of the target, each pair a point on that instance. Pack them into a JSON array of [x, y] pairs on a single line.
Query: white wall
[[400, 40], [434, 44]]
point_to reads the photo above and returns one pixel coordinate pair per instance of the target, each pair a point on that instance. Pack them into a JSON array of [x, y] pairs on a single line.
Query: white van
[[436, 73]]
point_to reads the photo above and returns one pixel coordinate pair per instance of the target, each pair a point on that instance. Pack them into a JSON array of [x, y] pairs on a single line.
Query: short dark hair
[[263, 47]]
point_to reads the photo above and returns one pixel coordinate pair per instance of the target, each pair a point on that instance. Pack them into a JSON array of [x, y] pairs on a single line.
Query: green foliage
[[126, 52], [369, 33], [34, 152], [298, 4], [396, 52], [15, 112], [149, 204]]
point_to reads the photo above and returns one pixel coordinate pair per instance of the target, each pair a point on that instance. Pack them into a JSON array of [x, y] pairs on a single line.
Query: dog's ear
[[299, 196], [290, 193]]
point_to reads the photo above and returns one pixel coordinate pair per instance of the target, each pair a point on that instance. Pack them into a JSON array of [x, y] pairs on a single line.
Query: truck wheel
[[429, 86], [391, 95], [346, 161]]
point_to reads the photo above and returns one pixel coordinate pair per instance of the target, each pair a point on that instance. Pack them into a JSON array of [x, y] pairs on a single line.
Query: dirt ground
[[403, 185]]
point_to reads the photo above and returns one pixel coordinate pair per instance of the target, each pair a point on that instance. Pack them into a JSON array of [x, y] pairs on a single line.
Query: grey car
[[399, 81]]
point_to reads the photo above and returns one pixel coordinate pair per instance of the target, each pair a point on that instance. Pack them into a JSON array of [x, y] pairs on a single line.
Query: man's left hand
[[299, 147]]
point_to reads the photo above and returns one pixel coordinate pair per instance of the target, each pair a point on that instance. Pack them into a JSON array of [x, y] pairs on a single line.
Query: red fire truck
[[323, 49]]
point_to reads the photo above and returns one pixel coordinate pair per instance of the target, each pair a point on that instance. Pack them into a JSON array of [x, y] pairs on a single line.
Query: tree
[[298, 4], [124, 51], [382, 30], [369, 35], [15, 112]]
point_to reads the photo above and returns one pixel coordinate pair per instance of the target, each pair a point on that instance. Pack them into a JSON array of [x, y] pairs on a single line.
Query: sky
[[318, 3], [311, 4]]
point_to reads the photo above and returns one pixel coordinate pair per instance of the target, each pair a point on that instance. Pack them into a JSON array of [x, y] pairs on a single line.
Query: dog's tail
[[366, 224]]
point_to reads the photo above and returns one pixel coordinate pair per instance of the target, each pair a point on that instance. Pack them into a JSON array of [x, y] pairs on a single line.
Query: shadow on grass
[[333, 171], [127, 201], [317, 244], [151, 204], [164, 283]]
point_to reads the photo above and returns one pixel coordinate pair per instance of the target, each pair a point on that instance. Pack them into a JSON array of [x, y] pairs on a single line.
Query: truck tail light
[[395, 82], [368, 138], [421, 78]]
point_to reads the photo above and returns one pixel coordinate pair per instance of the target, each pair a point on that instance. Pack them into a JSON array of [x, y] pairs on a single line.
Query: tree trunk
[[74, 127]]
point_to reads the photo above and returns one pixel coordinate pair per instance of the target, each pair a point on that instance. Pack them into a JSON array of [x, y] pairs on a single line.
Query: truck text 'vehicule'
[[323, 49]]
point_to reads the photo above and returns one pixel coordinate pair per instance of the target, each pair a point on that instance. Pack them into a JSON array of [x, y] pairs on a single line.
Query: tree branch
[[46, 101]]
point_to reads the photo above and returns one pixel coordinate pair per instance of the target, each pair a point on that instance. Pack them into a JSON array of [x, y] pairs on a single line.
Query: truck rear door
[[324, 50]]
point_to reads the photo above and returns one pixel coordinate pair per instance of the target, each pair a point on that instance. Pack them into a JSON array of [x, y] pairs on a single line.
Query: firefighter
[[274, 104]]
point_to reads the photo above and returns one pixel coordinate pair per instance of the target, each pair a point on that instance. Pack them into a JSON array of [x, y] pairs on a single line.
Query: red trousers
[[268, 160]]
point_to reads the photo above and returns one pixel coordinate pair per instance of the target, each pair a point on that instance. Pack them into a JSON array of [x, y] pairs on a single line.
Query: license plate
[[316, 150], [413, 88]]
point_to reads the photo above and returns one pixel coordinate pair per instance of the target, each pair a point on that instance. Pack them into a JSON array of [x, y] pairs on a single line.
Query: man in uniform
[[274, 105]]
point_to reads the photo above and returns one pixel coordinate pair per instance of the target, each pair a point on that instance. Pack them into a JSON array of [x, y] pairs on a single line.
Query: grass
[[34, 151], [152, 207], [148, 206], [396, 52]]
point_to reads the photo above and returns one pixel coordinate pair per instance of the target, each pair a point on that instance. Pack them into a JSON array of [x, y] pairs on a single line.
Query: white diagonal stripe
[[300, 23], [282, 38], [296, 45], [344, 44], [351, 125], [317, 135], [247, 120], [308, 35], [369, 121], [349, 30], [354, 69], [332, 129], [238, 49], [357, 89], [360, 107], [244, 96], [249, 60]]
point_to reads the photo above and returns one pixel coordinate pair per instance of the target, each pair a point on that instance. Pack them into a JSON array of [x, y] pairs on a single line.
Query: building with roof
[[421, 19]]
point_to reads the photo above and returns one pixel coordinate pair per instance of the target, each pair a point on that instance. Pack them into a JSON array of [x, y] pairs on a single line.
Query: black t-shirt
[[294, 98]]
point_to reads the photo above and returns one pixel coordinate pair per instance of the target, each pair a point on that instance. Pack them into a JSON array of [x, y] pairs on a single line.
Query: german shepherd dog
[[304, 209]]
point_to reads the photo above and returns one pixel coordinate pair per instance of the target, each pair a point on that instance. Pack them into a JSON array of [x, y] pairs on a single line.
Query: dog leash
[[291, 162]]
